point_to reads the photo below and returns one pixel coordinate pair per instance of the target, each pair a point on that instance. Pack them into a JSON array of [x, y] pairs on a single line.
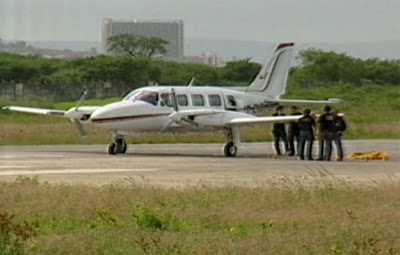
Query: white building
[[169, 30]]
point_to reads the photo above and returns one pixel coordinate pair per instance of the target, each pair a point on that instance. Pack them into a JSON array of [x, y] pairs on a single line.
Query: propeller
[[174, 100], [176, 116], [175, 106], [82, 132], [74, 115], [82, 97]]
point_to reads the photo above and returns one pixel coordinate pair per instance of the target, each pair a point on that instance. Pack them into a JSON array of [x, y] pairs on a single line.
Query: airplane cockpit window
[[145, 96], [131, 95], [197, 100]]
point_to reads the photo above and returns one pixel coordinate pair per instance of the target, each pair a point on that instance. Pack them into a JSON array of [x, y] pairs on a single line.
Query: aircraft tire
[[124, 148], [121, 146], [230, 149], [112, 149]]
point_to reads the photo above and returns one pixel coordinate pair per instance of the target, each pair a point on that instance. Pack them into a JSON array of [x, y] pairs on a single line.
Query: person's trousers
[[279, 135]]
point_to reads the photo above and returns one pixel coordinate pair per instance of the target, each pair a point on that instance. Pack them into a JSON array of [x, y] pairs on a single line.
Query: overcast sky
[[254, 20]]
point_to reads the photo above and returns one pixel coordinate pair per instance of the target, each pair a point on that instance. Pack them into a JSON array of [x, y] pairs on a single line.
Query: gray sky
[[253, 20]]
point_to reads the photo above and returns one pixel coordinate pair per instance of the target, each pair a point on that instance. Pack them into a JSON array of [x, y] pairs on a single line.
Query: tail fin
[[271, 80]]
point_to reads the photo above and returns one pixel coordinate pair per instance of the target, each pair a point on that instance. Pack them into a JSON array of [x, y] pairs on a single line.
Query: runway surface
[[185, 165]]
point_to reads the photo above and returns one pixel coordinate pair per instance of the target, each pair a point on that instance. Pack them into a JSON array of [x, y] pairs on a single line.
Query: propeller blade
[[174, 100], [79, 127], [83, 95], [166, 126], [190, 122]]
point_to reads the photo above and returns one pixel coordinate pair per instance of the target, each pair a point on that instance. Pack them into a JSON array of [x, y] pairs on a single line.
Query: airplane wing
[[305, 102], [197, 112], [50, 112], [72, 113], [260, 120], [237, 119]]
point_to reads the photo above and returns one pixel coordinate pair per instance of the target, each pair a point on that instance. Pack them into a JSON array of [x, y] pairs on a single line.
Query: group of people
[[328, 128]]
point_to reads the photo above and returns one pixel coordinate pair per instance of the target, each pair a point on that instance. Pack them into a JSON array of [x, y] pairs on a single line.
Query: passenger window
[[197, 100], [214, 100], [166, 98], [182, 100]]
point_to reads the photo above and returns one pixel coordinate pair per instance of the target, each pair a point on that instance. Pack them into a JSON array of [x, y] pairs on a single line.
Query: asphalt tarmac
[[195, 165]]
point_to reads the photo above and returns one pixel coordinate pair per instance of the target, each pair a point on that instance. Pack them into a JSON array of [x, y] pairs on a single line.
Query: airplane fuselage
[[149, 108]]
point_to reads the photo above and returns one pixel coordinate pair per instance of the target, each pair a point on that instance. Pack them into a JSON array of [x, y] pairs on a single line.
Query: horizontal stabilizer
[[305, 102]]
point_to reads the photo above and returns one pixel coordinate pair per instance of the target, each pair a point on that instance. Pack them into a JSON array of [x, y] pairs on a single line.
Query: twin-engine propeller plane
[[190, 108]]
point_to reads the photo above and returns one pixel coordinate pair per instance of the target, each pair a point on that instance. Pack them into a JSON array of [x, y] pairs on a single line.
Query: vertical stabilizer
[[271, 80]]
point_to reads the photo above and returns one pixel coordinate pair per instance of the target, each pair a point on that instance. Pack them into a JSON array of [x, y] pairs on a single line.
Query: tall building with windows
[[169, 30]]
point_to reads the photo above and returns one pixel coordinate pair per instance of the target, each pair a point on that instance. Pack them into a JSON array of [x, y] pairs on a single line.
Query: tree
[[319, 67], [241, 70], [137, 45]]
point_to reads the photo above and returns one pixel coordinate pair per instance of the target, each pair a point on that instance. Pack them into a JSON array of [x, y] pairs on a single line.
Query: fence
[[12, 91]]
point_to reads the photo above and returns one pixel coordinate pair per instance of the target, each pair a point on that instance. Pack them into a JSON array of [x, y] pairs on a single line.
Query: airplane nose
[[98, 115], [95, 114], [106, 113]]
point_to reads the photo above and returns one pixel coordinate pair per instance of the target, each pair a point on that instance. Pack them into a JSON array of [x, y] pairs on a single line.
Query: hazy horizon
[[341, 21]]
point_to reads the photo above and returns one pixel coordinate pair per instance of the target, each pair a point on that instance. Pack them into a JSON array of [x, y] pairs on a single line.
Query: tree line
[[315, 68], [318, 68]]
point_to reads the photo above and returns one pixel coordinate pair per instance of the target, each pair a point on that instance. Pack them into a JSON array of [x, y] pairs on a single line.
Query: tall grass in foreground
[[329, 219]]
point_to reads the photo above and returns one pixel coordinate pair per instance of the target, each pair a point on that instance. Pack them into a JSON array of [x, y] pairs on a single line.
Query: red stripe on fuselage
[[124, 118]]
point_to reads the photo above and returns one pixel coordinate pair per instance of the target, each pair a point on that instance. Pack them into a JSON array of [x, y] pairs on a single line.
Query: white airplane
[[190, 108]]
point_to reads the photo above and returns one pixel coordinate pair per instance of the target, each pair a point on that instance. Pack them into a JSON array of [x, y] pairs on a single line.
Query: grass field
[[287, 218], [328, 219]]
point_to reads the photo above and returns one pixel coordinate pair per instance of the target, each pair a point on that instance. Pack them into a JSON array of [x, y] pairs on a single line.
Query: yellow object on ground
[[374, 155]]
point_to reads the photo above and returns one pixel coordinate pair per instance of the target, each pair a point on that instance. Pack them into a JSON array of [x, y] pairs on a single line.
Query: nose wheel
[[119, 146]]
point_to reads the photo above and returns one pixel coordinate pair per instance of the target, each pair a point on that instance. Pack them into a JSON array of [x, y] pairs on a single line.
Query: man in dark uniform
[[327, 127], [340, 127], [279, 132], [306, 125], [293, 132]]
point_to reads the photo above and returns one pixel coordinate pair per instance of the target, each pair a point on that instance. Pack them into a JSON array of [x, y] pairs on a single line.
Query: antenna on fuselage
[[191, 82]]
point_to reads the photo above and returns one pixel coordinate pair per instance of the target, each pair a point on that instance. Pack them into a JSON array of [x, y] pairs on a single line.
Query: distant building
[[206, 59], [169, 30]]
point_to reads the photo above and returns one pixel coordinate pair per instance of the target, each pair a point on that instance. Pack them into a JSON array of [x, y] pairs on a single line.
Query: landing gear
[[119, 146], [233, 137], [230, 149]]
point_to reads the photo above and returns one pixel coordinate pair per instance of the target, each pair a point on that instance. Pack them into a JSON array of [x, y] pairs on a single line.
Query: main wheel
[[112, 148], [121, 146], [230, 149]]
